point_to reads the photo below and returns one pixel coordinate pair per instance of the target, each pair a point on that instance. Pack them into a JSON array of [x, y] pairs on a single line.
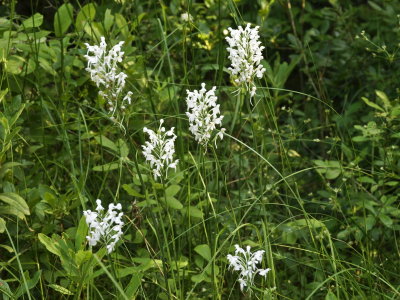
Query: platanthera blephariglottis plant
[[104, 226], [245, 53], [104, 72], [246, 263], [159, 151], [204, 114]]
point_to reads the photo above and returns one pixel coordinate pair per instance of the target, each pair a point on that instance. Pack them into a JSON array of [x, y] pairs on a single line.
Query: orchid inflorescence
[[104, 72], [204, 114], [159, 151], [104, 226], [245, 53], [246, 263]]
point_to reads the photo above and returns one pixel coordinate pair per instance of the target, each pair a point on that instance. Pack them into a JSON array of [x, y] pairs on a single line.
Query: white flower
[[103, 69], [242, 283], [99, 207], [186, 17], [246, 263], [104, 226], [245, 53], [203, 113], [159, 151]]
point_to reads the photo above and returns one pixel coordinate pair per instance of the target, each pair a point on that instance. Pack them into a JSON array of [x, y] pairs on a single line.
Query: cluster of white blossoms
[[245, 53], [204, 114], [159, 151], [104, 226], [104, 72], [246, 262], [186, 17]]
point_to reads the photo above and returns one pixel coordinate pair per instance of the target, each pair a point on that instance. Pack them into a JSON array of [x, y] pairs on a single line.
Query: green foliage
[[307, 172]]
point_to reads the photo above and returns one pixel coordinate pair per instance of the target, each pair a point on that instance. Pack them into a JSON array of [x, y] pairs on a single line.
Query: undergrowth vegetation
[[184, 149]]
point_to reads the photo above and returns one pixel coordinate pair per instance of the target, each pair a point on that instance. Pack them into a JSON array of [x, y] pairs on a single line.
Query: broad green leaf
[[195, 212], [372, 104], [15, 64], [46, 65], [180, 264], [366, 179], [332, 173], [360, 138], [2, 225], [49, 243], [369, 222], [82, 256], [8, 166], [9, 210], [204, 251], [131, 191], [145, 264], [51, 199], [375, 6], [395, 111], [311, 222], [108, 19], [5, 290], [80, 235], [106, 142], [330, 296], [133, 285], [16, 116], [199, 278], [320, 163], [61, 289], [123, 148], [386, 220], [94, 30], [123, 272], [172, 190], [8, 248], [122, 25], [85, 16], [146, 203], [3, 94], [156, 263], [106, 167], [63, 19], [35, 21], [384, 98], [30, 283], [342, 235], [173, 203], [288, 236], [395, 212], [209, 269], [347, 151], [15, 201], [139, 237], [334, 2]]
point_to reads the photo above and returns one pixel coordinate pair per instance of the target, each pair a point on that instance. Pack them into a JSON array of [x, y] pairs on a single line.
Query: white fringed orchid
[[159, 151], [204, 114], [246, 263], [104, 226], [245, 53]]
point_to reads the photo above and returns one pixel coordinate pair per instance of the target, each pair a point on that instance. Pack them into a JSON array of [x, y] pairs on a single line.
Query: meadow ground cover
[[216, 149]]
